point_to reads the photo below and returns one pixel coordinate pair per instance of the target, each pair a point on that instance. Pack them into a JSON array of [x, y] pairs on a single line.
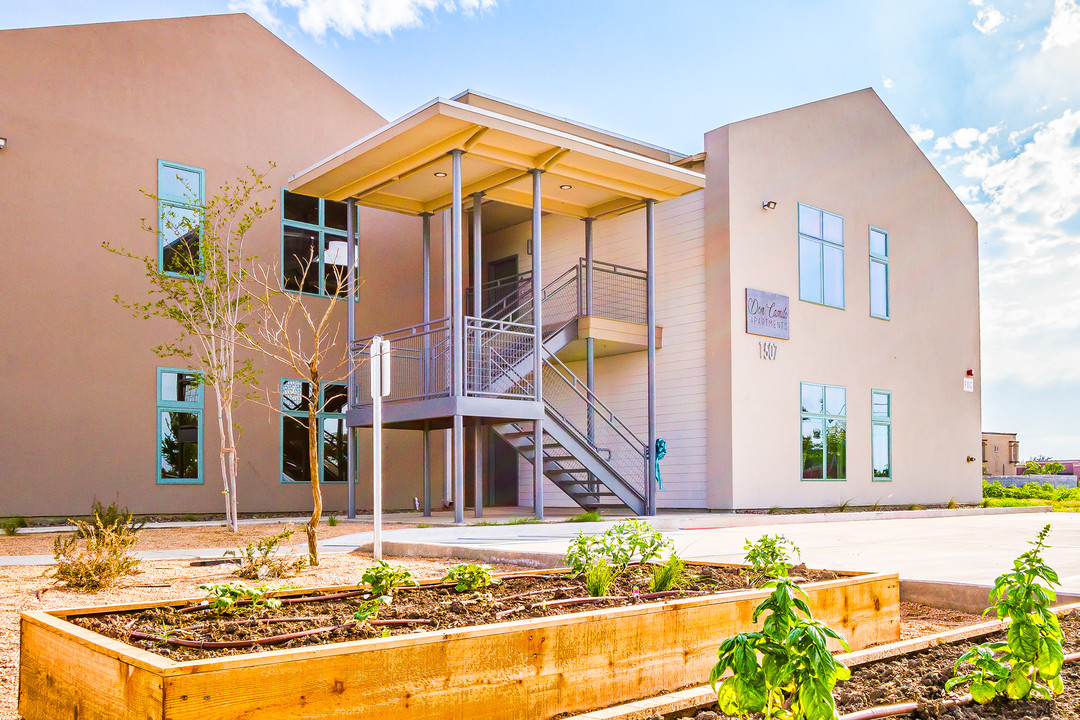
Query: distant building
[[1000, 453]]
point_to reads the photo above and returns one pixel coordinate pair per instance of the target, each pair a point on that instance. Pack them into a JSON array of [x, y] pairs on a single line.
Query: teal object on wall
[[661, 451]]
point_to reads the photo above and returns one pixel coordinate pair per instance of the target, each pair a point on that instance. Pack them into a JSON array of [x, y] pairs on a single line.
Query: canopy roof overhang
[[406, 166]]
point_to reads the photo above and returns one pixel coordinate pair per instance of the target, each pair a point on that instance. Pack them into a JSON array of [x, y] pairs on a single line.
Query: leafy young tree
[[200, 290], [301, 333]]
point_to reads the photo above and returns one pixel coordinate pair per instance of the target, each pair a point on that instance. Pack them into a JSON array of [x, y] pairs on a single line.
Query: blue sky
[[989, 88]]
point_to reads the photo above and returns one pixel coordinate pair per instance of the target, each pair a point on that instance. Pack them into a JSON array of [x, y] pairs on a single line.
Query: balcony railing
[[498, 361]]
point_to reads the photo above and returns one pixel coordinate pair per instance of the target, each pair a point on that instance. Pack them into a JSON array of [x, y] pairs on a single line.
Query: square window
[[813, 399], [331, 431], [314, 248]]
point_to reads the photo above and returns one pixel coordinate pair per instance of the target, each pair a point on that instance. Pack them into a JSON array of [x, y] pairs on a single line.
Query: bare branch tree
[[199, 287], [301, 333]]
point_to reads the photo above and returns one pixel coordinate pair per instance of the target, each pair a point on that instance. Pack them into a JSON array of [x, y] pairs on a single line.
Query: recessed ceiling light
[[440, 174], [565, 187]]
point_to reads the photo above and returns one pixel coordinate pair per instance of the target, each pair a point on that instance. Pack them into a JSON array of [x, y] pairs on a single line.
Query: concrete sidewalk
[[936, 545]]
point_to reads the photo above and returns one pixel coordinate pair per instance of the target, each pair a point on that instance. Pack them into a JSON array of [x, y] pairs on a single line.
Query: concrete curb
[[964, 597], [487, 555]]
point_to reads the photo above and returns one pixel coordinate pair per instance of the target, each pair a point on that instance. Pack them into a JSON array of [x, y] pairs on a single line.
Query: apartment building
[[793, 311]]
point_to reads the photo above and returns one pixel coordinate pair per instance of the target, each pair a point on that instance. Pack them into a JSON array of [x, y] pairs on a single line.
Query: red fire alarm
[[970, 373]]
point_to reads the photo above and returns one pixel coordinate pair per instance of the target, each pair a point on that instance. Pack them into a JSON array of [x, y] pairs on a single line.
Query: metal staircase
[[588, 452]]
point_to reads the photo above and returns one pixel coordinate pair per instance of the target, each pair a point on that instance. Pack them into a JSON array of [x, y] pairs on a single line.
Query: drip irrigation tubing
[[884, 711], [273, 639]]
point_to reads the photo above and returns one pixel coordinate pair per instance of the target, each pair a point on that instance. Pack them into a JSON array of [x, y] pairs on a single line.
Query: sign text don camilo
[[767, 314]]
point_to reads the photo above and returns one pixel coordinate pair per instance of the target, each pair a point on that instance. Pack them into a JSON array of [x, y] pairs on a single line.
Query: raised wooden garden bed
[[534, 668]]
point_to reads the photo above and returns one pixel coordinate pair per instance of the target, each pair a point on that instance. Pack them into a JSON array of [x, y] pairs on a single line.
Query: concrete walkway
[[936, 545]]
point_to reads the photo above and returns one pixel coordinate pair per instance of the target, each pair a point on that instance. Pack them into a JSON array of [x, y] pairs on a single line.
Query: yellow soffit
[[406, 166]]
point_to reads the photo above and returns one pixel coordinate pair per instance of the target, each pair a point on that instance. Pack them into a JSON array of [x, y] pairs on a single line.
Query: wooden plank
[[59, 679], [531, 668]]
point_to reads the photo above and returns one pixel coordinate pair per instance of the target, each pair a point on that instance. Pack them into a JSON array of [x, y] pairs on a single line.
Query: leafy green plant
[[1031, 657], [619, 545], [12, 525], [770, 556], [468, 577], [1051, 468], [98, 552], [423, 525], [785, 670], [262, 559], [598, 578], [952, 504], [382, 578], [370, 608], [587, 516], [668, 576], [522, 521], [332, 521], [226, 598]]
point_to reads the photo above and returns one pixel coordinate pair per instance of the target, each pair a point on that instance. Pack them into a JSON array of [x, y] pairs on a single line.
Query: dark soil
[[921, 676], [416, 609]]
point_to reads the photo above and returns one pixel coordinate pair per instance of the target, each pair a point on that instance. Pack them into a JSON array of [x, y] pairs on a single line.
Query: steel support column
[[426, 363], [350, 386], [650, 293], [477, 312], [458, 326], [538, 346], [590, 350]]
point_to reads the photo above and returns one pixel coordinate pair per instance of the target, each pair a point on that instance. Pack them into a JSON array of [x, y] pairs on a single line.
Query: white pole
[[380, 388]]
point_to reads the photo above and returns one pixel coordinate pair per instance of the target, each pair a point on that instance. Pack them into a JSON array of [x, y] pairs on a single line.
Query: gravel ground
[[20, 588], [188, 537]]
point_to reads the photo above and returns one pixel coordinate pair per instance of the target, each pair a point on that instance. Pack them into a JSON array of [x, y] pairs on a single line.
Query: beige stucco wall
[[87, 112], [621, 379], [998, 453], [849, 156]]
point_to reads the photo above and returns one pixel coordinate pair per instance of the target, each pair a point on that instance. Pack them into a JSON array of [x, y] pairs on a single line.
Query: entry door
[[500, 270]]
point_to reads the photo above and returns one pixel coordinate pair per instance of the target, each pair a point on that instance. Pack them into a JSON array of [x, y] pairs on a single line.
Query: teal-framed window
[[879, 273], [824, 431], [313, 238], [179, 427], [333, 435], [181, 195], [821, 257], [881, 434]]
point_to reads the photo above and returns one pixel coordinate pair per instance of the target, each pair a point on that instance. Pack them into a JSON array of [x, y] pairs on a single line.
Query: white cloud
[[348, 17], [920, 134], [964, 138], [887, 82], [1027, 202], [987, 21], [1064, 27]]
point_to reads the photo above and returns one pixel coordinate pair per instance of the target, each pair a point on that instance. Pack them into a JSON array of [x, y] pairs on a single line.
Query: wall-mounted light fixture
[[768, 205], [528, 246], [440, 174], [3, 143]]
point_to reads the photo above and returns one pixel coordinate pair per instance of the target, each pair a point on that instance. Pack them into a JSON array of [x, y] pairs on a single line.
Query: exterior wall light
[[440, 174], [3, 143], [768, 205]]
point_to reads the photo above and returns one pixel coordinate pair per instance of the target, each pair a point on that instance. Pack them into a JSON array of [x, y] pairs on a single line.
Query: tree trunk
[[223, 442], [312, 526], [233, 467]]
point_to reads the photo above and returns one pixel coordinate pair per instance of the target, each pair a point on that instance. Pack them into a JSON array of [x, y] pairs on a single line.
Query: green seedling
[[369, 609], [770, 556], [467, 577], [382, 578], [226, 598], [598, 578]]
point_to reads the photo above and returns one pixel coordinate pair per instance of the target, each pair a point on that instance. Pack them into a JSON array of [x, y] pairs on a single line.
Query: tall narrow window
[[824, 432], [314, 244], [333, 436], [881, 434], [879, 273], [179, 427], [821, 257], [180, 202]]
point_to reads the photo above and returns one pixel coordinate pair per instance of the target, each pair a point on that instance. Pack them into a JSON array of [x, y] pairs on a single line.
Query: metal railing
[[619, 292], [609, 437], [420, 363], [503, 295], [498, 359]]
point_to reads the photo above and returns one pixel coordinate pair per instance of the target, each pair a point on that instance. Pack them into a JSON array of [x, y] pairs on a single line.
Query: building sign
[[767, 314]]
